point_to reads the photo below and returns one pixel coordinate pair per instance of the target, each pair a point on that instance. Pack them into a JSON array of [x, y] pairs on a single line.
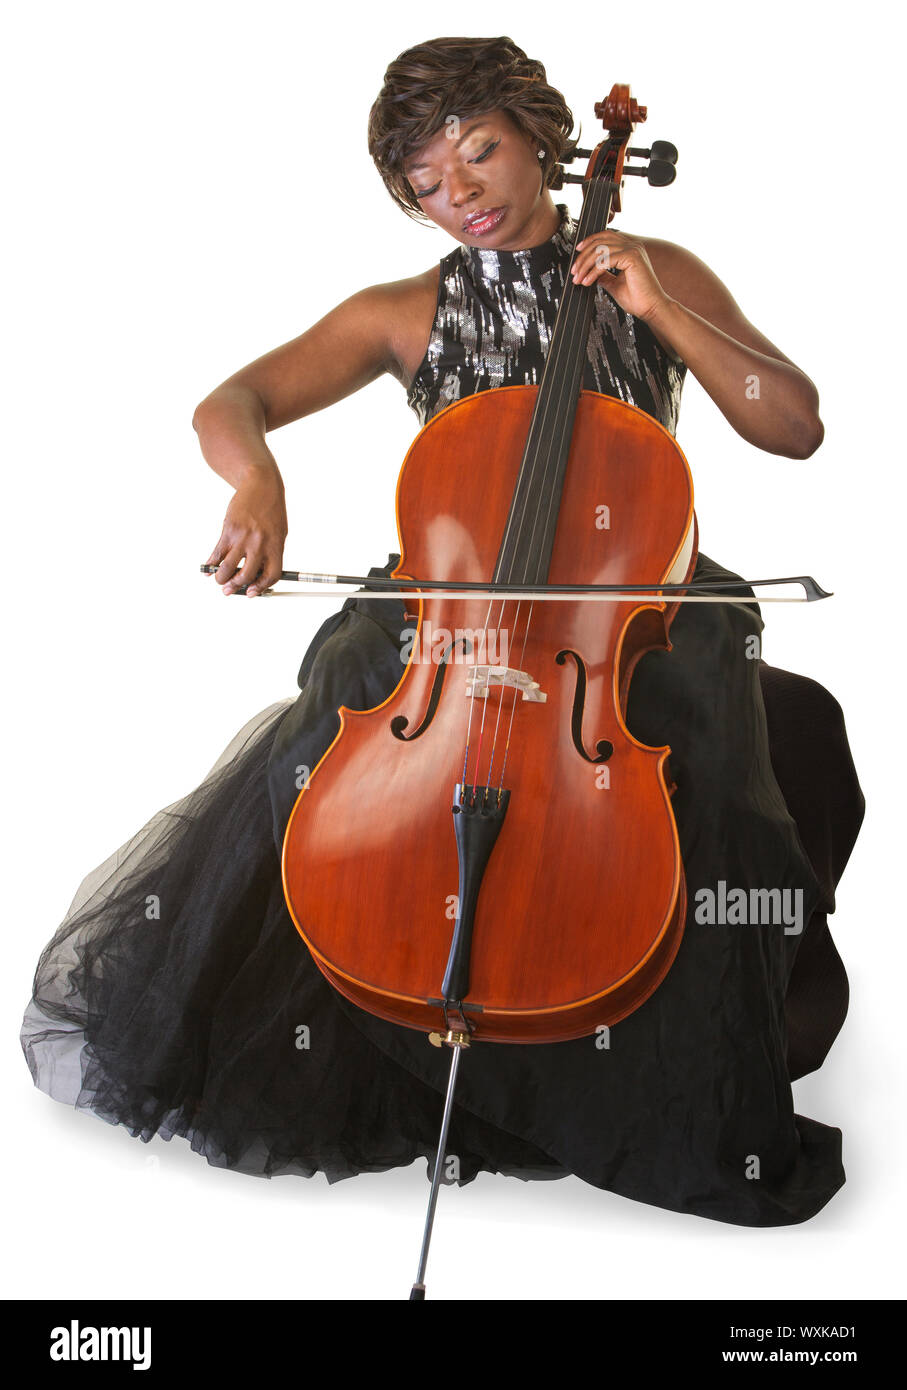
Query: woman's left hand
[[635, 287]]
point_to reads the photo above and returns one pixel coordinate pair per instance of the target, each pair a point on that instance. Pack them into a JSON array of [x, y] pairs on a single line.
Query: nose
[[463, 187]]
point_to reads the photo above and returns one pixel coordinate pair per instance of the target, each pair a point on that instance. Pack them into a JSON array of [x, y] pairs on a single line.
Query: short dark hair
[[462, 77]]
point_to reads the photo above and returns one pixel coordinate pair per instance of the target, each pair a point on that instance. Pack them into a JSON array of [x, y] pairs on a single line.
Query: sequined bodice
[[493, 324]]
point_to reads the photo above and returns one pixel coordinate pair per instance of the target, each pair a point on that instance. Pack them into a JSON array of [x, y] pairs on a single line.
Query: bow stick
[[386, 588]]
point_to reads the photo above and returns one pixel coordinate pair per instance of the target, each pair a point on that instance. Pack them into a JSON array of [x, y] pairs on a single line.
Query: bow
[[386, 588]]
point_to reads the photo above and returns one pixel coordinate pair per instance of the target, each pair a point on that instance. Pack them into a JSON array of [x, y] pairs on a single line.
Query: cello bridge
[[480, 679]]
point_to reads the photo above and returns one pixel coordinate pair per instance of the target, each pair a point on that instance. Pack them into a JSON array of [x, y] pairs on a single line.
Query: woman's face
[[480, 180]]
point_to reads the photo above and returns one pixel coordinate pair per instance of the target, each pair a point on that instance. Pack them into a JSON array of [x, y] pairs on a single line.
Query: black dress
[[178, 998]]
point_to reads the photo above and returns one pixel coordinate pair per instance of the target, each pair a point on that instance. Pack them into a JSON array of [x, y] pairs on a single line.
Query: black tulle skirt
[[177, 997]]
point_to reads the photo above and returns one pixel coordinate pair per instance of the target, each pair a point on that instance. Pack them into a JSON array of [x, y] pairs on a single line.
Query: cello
[[477, 762], [547, 896]]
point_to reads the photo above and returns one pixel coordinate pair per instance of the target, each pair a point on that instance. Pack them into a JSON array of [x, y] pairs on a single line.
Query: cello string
[[500, 702], [475, 783], [557, 426], [485, 700], [513, 709], [547, 422], [563, 333], [487, 663], [494, 742], [472, 700], [565, 343], [497, 723]]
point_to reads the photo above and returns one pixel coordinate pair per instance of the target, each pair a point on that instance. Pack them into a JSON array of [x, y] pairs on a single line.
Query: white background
[[188, 186]]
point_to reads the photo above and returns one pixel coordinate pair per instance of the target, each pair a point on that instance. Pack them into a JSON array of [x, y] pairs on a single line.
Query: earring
[[542, 154]]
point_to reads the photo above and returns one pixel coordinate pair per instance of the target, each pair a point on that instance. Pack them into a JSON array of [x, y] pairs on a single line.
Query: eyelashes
[[489, 150]]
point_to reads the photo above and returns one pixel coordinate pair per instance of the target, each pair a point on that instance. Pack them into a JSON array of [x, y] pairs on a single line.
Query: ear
[[534, 144]]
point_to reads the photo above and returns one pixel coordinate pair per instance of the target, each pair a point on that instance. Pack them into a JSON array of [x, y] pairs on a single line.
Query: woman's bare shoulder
[[687, 278], [383, 328], [408, 308]]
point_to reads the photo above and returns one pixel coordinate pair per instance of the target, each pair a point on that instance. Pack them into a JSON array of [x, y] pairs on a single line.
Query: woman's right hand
[[254, 532]]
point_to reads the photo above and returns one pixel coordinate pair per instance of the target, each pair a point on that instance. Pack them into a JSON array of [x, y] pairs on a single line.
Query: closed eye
[[489, 149], [486, 152]]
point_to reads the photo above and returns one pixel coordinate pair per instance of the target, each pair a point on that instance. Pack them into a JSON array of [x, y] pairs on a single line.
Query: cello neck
[[528, 542]]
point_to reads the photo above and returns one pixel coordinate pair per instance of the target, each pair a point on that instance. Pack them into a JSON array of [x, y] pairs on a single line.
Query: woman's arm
[[375, 331], [764, 396]]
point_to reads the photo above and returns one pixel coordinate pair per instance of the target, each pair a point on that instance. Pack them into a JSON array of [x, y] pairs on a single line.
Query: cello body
[[577, 910]]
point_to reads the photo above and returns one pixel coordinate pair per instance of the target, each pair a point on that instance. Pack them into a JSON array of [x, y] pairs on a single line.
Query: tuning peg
[[663, 149], [660, 149], [559, 177], [576, 154], [658, 171], [661, 172]]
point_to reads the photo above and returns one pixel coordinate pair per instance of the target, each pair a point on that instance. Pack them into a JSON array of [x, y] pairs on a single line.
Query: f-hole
[[400, 722], [603, 749]]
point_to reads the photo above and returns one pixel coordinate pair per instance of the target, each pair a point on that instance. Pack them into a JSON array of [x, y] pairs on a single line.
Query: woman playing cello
[[188, 1022]]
